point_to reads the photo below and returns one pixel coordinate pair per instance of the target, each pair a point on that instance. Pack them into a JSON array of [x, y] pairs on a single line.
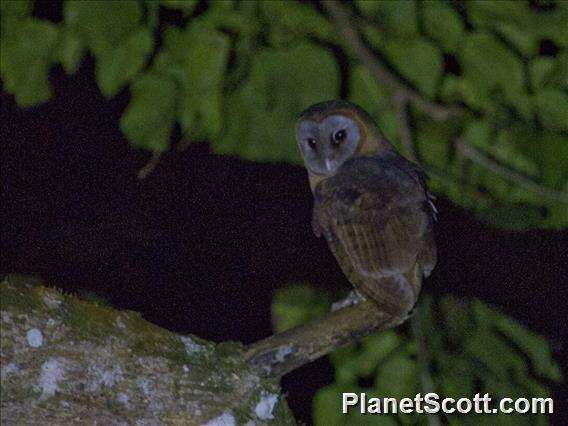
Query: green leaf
[[505, 149], [398, 19], [100, 25], [533, 345], [205, 62], [116, 67], [478, 133], [481, 351], [491, 13], [496, 14], [151, 13], [361, 360], [527, 43], [515, 22], [457, 319], [186, 6], [26, 50], [541, 70], [557, 215], [490, 70], [560, 76], [547, 150], [16, 8], [196, 58], [71, 50], [289, 21], [345, 362], [375, 99], [261, 114], [150, 116], [398, 377], [419, 61], [552, 107], [433, 140], [457, 375], [224, 14], [374, 350], [297, 305], [114, 35], [171, 58], [443, 23], [327, 405]]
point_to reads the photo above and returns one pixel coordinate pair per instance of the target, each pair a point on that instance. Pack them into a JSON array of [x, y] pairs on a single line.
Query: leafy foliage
[[238, 73], [465, 347], [296, 305]]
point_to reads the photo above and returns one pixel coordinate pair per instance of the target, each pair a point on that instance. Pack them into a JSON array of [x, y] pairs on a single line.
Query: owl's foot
[[352, 299]]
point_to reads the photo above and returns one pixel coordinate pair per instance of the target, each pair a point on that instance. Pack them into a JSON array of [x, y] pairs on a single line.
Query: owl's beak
[[328, 165]]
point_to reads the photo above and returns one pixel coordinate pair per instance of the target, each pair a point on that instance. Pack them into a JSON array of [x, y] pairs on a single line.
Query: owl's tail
[[396, 294]]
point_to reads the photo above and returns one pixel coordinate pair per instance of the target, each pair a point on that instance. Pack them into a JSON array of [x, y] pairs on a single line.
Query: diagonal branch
[[469, 152], [405, 130], [343, 24], [283, 352]]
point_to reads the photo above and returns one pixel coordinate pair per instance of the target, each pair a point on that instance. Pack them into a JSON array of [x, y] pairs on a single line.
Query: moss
[[145, 339], [107, 398], [144, 343], [88, 321], [229, 349], [176, 353], [95, 299], [15, 294], [48, 292], [17, 393], [282, 414], [149, 340]]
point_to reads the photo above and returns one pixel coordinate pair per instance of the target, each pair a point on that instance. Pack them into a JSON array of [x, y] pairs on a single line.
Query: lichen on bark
[[68, 361]]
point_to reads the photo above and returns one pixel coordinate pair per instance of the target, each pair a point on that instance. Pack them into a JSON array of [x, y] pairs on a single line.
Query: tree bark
[[67, 361]]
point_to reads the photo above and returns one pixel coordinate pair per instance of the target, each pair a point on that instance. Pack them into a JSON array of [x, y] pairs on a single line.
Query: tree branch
[[67, 361], [281, 353], [405, 130], [149, 167], [469, 152], [343, 23]]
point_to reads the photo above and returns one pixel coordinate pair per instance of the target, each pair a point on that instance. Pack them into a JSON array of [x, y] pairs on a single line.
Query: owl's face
[[327, 144]]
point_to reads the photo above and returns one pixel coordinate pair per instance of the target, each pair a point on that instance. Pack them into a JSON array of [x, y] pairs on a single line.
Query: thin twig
[[149, 167], [344, 25], [405, 130], [474, 155]]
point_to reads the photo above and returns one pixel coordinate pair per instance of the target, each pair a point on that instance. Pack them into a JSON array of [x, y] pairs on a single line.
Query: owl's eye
[[339, 136], [311, 143]]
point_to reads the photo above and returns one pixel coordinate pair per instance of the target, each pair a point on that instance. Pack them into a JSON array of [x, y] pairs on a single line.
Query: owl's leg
[[353, 298]]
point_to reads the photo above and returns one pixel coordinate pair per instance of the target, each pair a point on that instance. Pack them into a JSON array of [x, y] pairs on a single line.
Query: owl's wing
[[378, 225]]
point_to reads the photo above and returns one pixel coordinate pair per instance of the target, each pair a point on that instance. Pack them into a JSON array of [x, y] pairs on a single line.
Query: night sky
[[201, 244]]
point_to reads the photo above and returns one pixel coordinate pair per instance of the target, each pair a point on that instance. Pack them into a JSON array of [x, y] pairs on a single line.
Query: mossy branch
[[67, 361], [286, 351]]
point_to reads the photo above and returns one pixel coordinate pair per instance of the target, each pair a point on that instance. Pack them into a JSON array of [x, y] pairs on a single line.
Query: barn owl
[[370, 204]]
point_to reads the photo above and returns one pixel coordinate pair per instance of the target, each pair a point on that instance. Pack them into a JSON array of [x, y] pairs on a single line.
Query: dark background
[[201, 244]]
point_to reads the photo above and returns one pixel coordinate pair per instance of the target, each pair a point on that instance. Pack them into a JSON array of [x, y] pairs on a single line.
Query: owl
[[370, 203]]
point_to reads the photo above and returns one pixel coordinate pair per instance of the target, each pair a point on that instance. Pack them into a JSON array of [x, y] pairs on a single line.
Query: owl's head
[[329, 133]]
